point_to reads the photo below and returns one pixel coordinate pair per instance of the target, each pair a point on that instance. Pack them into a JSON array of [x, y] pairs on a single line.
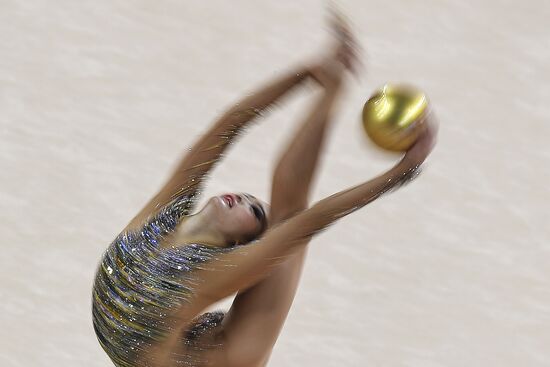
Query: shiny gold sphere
[[393, 116]]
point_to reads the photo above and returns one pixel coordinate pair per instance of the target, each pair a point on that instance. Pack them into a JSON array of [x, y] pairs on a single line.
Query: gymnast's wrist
[[408, 163]]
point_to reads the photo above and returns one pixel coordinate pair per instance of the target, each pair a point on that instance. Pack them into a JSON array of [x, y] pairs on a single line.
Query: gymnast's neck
[[194, 229]]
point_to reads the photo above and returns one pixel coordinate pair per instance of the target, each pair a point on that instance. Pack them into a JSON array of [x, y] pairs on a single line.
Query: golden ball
[[393, 116]]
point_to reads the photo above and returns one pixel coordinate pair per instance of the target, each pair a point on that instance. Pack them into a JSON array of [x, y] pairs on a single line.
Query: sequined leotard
[[138, 284]]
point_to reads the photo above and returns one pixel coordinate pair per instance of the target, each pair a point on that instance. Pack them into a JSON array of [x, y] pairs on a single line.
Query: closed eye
[[258, 212]]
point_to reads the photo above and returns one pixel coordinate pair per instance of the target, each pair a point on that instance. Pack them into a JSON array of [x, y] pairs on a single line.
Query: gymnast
[[169, 264]]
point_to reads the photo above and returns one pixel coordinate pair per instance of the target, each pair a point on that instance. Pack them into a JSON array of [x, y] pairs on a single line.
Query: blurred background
[[98, 100]]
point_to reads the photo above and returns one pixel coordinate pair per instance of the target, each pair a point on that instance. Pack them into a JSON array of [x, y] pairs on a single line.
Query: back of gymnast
[[168, 265]]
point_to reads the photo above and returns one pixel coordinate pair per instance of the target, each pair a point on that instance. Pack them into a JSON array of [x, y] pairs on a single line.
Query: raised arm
[[208, 150], [259, 312]]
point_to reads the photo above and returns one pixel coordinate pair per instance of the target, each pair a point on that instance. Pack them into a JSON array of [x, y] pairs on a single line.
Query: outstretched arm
[[245, 265], [208, 150]]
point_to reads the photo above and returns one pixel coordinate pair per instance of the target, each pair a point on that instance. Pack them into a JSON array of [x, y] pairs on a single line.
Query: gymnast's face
[[239, 217]]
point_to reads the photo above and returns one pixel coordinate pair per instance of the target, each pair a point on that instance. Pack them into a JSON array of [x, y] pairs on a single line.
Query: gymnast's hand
[[425, 143], [343, 55]]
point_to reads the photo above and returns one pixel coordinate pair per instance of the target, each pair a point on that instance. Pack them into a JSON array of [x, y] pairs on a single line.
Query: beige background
[[99, 98]]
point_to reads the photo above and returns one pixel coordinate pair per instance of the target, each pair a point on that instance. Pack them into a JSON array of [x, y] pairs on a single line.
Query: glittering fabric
[[138, 283]]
